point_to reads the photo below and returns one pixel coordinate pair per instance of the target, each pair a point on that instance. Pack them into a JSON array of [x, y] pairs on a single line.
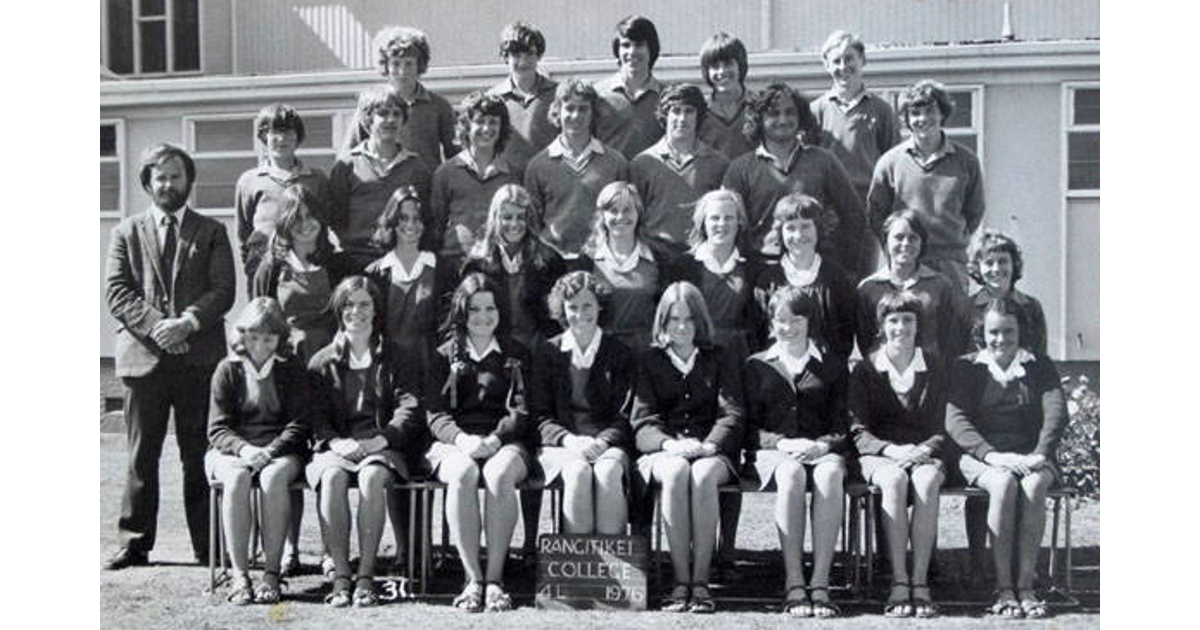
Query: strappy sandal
[[897, 607], [470, 599], [823, 608], [242, 593], [796, 606], [923, 607], [268, 591], [496, 599], [1031, 605], [677, 600], [1006, 605], [702, 601], [364, 593], [339, 596]]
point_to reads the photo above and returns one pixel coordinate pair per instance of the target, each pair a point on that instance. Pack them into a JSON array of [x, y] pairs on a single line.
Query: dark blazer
[[486, 398], [538, 280], [228, 430], [878, 418], [705, 405], [811, 405], [609, 393], [137, 289], [834, 293]]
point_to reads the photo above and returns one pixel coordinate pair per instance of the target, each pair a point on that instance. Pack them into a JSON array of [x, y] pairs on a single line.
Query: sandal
[[796, 606], [470, 599], [923, 607], [364, 593], [677, 601], [339, 596], [1033, 607], [268, 591], [242, 593], [702, 601], [897, 607], [496, 599], [823, 608], [1006, 605], [328, 568]]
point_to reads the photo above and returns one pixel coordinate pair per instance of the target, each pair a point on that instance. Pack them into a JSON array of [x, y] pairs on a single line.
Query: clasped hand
[[170, 332], [1016, 462], [910, 455], [255, 457], [803, 449], [349, 448], [585, 446], [689, 448], [477, 446]]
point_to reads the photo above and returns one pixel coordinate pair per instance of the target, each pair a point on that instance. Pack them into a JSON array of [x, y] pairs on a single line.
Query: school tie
[[168, 250]]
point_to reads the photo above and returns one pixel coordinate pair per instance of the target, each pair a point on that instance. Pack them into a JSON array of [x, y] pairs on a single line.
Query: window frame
[[137, 20], [1069, 126], [892, 93], [119, 160]]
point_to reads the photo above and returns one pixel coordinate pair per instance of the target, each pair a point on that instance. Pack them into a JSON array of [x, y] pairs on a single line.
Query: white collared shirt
[[763, 153], [392, 263], [623, 265], [377, 163], [494, 346], [901, 382], [800, 277], [357, 362], [885, 275], [794, 365], [293, 260], [561, 150], [1015, 370], [844, 105], [683, 365], [581, 359], [512, 264], [704, 253], [160, 222]]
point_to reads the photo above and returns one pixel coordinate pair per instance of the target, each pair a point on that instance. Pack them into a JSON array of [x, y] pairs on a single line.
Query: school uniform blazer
[[752, 319], [609, 393], [705, 405], [539, 278], [812, 405], [140, 295], [1034, 424], [878, 418], [834, 293], [227, 429], [266, 277], [486, 397], [397, 414]]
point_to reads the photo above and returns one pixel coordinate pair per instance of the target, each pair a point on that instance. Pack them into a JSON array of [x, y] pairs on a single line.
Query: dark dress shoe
[[125, 558]]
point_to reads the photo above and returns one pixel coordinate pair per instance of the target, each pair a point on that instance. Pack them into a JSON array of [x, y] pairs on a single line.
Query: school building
[[1024, 74]]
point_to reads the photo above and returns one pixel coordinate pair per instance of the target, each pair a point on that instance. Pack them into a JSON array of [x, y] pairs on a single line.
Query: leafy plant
[[1079, 453]]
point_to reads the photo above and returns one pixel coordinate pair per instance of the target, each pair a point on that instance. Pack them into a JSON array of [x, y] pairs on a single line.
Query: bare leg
[[374, 482], [501, 474], [708, 474], [674, 476], [791, 481], [893, 485], [235, 515], [1032, 527], [612, 508], [1001, 487], [334, 513], [827, 517], [461, 476], [276, 508], [579, 515], [927, 486]]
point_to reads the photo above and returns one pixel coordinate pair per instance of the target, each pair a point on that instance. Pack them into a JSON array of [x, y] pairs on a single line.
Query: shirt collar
[[158, 215], [1015, 370], [463, 159], [419, 94], [614, 83], [581, 358], [901, 382], [763, 154], [508, 87], [885, 275], [640, 252], [863, 94], [662, 150], [683, 365], [947, 148], [800, 277], [558, 148], [703, 253], [494, 346], [258, 372], [983, 296], [778, 352], [363, 150], [266, 170], [341, 342], [392, 262]]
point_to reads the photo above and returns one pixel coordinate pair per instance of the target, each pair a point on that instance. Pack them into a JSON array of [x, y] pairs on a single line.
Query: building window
[[112, 166], [225, 146], [1083, 139], [965, 124], [147, 37]]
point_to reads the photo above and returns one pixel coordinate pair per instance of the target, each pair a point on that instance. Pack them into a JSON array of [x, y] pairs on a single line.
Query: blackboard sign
[[580, 572]]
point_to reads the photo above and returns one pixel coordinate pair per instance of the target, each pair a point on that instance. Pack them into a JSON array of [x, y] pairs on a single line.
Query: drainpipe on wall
[[764, 24], [233, 32], [1006, 31]]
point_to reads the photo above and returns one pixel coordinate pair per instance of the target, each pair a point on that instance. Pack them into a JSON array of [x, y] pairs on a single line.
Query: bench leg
[[214, 530]]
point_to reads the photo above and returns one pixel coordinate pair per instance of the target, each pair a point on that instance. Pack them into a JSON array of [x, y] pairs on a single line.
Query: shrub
[[1079, 453]]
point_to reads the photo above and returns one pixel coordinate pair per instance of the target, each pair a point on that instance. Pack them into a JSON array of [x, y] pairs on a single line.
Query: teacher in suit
[[169, 281]]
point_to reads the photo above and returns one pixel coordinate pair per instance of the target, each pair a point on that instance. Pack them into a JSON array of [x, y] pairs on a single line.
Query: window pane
[[1087, 107], [152, 7], [318, 132], [120, 36], [110, 186], [1083, 161], [108, 140], [154, 47], [961, 116], [186, 29], [968, 140], [216, 178], [224, 135]]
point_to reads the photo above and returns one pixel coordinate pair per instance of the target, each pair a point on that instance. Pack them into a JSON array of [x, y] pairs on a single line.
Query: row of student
[[611, 422], [565, 141]]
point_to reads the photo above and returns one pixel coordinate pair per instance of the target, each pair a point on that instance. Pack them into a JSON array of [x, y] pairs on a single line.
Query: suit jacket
[[139, 296], [609, 393]]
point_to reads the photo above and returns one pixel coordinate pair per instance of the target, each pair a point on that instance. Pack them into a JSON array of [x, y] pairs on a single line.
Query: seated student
[[795, 232], [403, 56], [362, 181], [687, 424], [942, 307], [788, 160], [476, 404], [857, 125], [257, 427], [526, 93], [258, 195], [796, 406], [633, 266], [580, 399], [629, 97], [936, 177], [463, 187], [565, 177], [724, 64], [1007, 412], [671, 175], [366, 426], [897, 405]]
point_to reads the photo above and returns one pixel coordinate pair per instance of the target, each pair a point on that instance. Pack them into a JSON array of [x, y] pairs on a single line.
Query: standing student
[[629, 97], [857, 125], [258, 196], [362, 181], [526, 93], [724, 64], [565, 177], [671, 175], [169, 281], [934, 176], [787, 160]]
